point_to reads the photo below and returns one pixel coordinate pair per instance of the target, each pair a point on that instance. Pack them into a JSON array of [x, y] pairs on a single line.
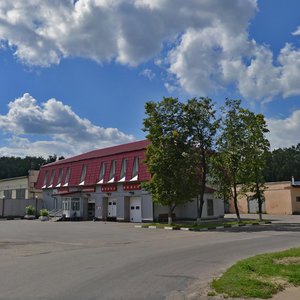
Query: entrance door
[[135, 209], [112, 208]]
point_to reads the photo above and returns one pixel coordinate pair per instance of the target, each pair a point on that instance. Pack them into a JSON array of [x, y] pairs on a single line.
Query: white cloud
[[148, 73], [284, 132], [204, 45], [63, 131], [297, 31]]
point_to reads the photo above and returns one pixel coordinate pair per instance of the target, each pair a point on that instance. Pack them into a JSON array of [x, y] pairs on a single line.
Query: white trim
[[112, 180], [122, 179], [101, 181], [81, 183], [58, 185], [66, 184], [135, 178]]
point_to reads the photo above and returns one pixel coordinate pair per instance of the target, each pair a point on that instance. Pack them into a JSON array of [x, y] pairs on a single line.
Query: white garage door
[[135, 209], [112, 208]]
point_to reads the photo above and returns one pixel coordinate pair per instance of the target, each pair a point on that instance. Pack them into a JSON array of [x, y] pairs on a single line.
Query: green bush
[[30, 210], [44, 212]]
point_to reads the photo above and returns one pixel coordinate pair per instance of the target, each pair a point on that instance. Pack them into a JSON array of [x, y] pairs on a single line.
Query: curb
[[201, 229]]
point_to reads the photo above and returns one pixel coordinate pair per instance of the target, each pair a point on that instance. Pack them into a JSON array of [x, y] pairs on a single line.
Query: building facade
[[18, 192], [106, 184], [279, 198]]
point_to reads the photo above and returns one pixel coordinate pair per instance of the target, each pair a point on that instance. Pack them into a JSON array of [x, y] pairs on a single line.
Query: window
[[52, 177], [20, 193], [112, 171], [60, 175], [7, 194], [123, 169], [66, 204], [102, 172], [45, 179], [297, 199], [135, 169], [75, 204], [210, 207], [83, 175], [67, 176]]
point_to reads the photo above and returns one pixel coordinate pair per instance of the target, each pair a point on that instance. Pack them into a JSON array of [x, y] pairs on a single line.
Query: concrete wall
[[189, 210], [278, 199], [17, 207]]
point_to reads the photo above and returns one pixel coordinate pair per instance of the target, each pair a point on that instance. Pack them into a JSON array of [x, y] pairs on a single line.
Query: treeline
[[17, 166], [282, 164]]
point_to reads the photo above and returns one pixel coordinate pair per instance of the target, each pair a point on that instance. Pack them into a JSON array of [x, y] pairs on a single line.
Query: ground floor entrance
[[112, 208], [135, 209]]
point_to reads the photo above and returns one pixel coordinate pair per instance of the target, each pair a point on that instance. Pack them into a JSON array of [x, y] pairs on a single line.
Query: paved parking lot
[[97, 260]]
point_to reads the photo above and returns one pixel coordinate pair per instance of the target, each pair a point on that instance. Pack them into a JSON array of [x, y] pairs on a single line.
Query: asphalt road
[[94, 260]]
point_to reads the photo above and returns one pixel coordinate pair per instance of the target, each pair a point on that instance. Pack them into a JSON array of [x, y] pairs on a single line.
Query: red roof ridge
[[102, 152]]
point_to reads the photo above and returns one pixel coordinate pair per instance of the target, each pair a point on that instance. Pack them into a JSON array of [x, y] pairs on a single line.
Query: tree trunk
[[259, 201], [236, 204], [170, 220], [202, 189]]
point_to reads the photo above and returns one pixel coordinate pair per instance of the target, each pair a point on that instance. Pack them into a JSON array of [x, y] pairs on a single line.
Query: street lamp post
[[3, 201]]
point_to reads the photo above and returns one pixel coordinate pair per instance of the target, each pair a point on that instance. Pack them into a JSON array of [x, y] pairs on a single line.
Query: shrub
[[30, 210], [44, 212]]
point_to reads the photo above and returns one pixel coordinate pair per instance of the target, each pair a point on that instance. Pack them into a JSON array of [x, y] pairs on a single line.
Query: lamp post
[[36, 200], [3, 200]]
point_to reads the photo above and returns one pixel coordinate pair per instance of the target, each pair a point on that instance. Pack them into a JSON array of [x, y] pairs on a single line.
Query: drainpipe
[[36, 199], [293, 180]]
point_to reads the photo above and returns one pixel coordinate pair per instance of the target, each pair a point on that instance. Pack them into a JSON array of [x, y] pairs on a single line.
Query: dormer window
[[112, 171], [135, 169], [123, 170], [52, 178], [83, 175], [102, 172], [45, 179], [67, 176], [60, 175]]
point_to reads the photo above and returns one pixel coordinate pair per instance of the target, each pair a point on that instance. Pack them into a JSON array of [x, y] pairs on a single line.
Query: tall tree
[[229, 161], [255, 156], [201, 126], [168, 156]]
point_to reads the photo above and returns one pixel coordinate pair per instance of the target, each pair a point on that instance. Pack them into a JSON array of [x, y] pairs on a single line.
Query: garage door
[[135, 209], [112, 208]]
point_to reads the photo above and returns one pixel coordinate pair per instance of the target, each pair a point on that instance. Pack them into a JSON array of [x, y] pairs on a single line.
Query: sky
[[75, 75]]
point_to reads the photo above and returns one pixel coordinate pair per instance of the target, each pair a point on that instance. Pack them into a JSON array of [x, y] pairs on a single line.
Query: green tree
[[255, 154], [168, 156], [229, 162], [201, 125]]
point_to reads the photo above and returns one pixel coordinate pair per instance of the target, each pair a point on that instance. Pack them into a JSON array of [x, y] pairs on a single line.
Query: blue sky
[[76, 76]]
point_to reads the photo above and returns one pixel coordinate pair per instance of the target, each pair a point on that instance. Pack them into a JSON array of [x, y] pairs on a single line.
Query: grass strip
[[260, 276], [205, 224]]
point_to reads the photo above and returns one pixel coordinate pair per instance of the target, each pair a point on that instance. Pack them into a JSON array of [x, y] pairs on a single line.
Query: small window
[[297, 199], [114, 203], [210, 207], [109, 203], [66, 204], [60, 175], [75, 204], [67, 176], [83, 174], [132, 207], [137, 207], [52, 177], [20, 193], [45, 179], [135, 169], [112, 171], [123, 169], [102, 172], [7, 194]]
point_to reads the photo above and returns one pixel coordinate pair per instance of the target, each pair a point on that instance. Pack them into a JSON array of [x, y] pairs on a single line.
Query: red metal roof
[[93, 160], [139, 145]]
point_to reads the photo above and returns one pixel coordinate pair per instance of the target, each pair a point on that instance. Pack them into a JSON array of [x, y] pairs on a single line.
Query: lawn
[[260, 276]]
